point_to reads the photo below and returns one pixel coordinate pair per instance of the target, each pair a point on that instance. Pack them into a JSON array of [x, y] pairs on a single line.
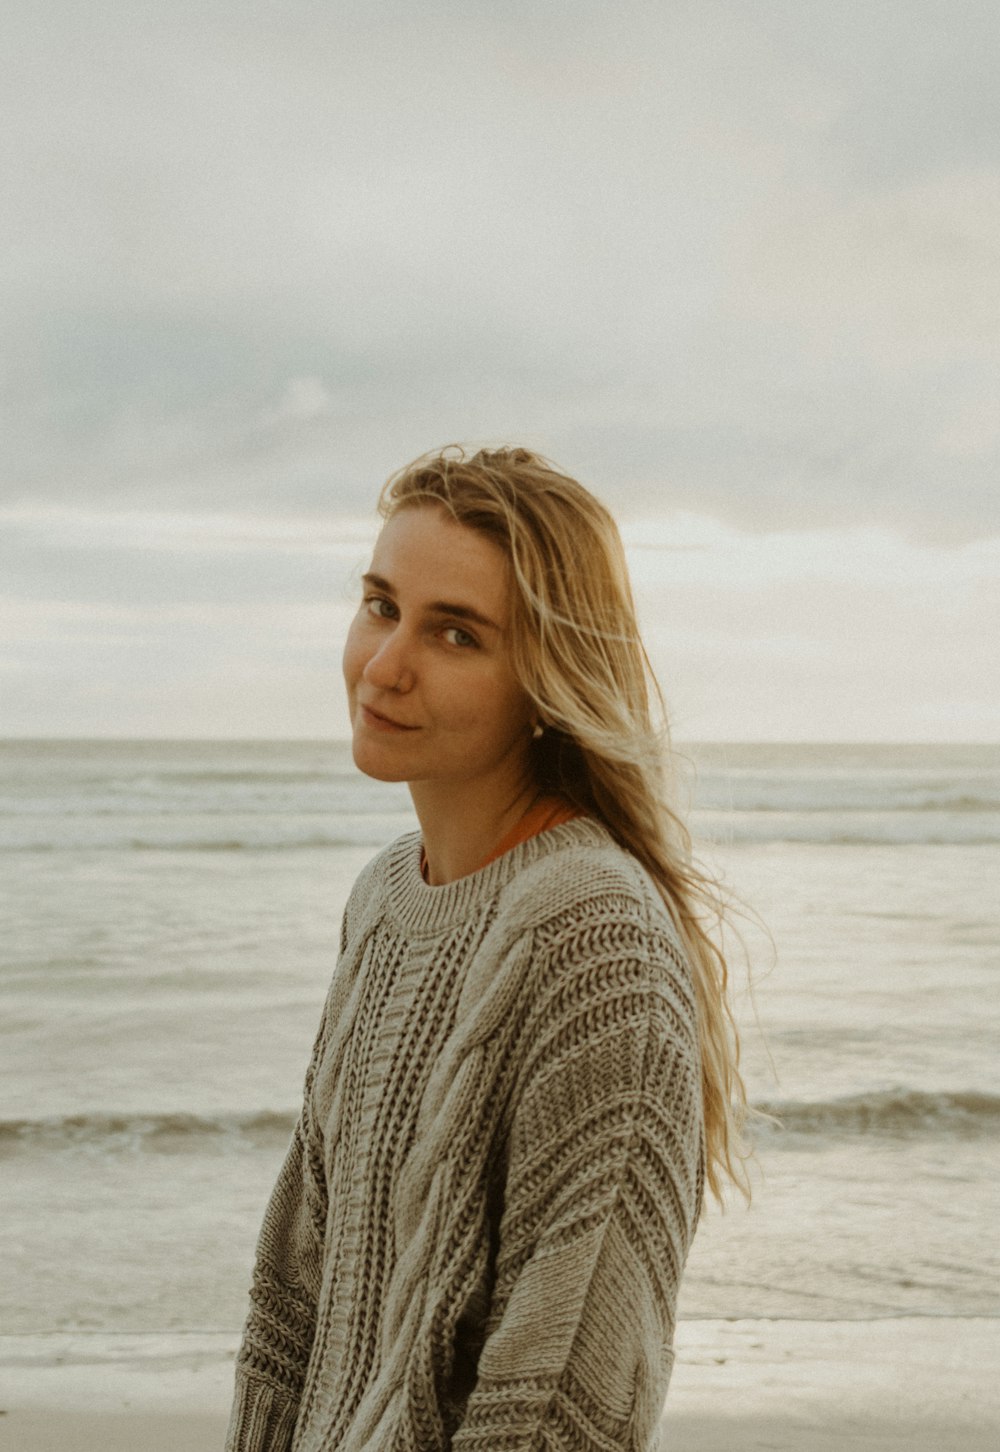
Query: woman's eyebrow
[[437, 607]]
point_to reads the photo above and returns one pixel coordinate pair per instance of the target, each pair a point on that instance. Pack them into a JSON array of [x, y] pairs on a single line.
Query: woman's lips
[[382, 723]]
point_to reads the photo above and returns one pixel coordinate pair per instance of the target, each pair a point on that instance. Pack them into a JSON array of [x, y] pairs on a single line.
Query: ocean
[[170, 913]]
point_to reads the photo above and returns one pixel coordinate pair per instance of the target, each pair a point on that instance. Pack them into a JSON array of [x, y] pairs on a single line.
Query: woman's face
[[431, 692]]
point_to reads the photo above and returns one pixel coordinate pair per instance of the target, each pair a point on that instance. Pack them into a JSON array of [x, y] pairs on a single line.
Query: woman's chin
[[373, 762]]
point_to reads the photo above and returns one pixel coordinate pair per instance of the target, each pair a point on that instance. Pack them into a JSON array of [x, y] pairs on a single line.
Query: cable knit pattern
[[476, 1239]]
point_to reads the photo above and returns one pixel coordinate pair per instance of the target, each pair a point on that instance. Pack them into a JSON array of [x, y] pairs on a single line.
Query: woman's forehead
[[423, 551]]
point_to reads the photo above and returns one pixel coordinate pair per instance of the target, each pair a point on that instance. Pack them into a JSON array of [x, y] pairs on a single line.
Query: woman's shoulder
[[578, 872], [594, 919], [370, 884]]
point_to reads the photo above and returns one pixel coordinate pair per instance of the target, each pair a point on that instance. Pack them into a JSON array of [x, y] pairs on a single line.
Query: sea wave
[[858, 801], [320, 776], [850, 829], [892, 1113], [222, 844], [829, 829], [371, 832], [167, 1132]]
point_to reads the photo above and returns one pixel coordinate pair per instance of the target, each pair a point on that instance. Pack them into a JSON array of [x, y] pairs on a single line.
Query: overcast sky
[[734, 265]]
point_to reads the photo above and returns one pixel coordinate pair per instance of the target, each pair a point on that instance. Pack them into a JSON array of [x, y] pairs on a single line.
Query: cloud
[[228, 624], [708, 258], [304, 398], [829, 635]]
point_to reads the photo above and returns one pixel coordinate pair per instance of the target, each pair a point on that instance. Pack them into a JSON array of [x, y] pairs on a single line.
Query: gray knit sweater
[[477, 1236]]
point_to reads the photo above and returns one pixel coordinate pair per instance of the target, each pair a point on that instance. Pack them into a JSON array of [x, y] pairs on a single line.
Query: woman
[[525, 1072]]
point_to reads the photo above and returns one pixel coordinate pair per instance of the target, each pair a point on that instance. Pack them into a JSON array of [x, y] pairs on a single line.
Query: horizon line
[[195, 740]]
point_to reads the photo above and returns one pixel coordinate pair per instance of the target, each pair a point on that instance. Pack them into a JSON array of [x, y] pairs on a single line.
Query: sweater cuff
[[263, 1418]]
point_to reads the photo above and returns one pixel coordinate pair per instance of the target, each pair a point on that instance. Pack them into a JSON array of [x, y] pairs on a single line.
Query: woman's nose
[[389, 668]]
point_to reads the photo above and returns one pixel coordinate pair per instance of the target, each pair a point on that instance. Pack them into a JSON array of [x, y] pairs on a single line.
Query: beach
[[171, 917], [807, 1386]]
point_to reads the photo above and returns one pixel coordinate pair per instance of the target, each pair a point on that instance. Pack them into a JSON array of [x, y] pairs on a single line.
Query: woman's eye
[[377, 605], [455, 635]]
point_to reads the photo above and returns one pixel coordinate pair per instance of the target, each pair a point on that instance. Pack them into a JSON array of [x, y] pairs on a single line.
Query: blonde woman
[[525, 1073]]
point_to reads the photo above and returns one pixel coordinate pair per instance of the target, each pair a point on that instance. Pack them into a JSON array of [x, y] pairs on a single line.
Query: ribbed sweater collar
[[423, 909]]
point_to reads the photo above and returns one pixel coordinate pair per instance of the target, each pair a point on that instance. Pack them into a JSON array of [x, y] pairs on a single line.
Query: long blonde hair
[[577, 651]]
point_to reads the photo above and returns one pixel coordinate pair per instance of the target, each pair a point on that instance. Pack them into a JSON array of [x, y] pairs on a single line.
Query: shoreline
[[788, 1386]]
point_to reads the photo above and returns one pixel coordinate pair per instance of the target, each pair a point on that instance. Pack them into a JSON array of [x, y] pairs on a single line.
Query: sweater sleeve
[[278, 1334], [603, 1190]]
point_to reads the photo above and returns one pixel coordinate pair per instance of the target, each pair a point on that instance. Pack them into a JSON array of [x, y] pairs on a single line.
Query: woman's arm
[[278, 1335], [603, 1191]]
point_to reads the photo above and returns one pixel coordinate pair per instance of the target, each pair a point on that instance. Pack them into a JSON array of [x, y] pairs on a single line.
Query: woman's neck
[[458, 833]]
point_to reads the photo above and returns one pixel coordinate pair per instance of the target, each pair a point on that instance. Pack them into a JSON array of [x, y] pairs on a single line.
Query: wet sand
[[784, 1386]]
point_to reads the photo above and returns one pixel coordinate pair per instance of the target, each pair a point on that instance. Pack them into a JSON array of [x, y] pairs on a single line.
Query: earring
[[537, 730]]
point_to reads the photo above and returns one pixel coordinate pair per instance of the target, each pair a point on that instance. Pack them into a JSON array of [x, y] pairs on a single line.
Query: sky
[[735, 266]]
